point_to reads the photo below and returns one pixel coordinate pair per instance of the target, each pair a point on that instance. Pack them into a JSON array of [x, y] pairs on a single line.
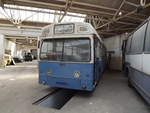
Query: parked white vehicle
[[137, 59]]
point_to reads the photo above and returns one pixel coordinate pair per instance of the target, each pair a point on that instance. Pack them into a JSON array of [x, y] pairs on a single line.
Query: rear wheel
[[129, 83], [94, 87], [127, 75], [126, 72]]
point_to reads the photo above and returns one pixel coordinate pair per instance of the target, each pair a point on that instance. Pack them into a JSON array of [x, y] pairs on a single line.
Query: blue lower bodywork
[[61, 74], [141, 82]]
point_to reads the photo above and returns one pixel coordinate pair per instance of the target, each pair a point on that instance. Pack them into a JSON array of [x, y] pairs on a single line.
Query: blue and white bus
[[72, 55], [137, 59]]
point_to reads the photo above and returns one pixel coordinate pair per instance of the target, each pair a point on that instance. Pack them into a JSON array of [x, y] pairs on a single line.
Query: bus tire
[[129, 84], [126, 72]]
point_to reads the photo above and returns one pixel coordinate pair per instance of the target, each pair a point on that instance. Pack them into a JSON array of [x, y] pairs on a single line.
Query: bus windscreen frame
[[59, 47]]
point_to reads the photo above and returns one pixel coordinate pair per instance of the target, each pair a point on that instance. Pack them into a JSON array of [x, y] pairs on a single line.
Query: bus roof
[[68, 29]]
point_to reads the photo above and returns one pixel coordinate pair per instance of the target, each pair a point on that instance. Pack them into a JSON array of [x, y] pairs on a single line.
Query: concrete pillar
[[2, 50]]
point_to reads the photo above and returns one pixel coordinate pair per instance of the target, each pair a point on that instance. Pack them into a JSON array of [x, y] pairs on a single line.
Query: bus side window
[[138, 40], [147, 40]]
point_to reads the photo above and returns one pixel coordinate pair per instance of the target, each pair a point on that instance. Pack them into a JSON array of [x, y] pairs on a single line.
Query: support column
[[2, 50]]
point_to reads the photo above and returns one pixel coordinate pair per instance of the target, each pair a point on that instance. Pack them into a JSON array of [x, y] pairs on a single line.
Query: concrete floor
[[19, 88]]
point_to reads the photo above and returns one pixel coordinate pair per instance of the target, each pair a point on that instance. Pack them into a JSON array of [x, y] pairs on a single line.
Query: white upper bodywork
[[140, 62], [48, 31]]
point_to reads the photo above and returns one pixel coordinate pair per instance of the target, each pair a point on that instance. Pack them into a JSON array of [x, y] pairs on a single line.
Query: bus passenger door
[[97, 61]]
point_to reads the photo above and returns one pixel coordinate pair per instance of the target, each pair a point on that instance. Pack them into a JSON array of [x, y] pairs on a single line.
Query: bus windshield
[[73, 50]]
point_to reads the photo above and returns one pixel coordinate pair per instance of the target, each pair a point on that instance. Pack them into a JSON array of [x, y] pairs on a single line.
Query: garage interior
[[21, 23]]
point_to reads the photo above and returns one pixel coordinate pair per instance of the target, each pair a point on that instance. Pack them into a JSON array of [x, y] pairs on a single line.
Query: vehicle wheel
[[130, 84], [126, 72], [92, 90]]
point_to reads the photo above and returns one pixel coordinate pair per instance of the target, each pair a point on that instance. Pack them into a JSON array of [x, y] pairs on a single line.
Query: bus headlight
[[76, 74]]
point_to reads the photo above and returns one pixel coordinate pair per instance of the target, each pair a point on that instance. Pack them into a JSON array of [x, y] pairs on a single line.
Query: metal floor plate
[[57, 99]]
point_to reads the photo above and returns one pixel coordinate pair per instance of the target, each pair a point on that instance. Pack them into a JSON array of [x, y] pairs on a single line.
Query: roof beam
[[122, 3], [128, 14], [123, 29], [25, 23], [61, 7], [72, 9], [130, 3], [20, 32], [20, 37], [41, 11], [107, 33], [59, 13], [67, 7]]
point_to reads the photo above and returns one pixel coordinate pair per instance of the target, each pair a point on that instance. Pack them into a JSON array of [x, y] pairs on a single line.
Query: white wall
[[1, 50], [115, 44], [10, 45], [6, 44]]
